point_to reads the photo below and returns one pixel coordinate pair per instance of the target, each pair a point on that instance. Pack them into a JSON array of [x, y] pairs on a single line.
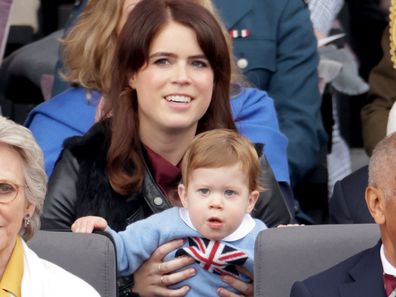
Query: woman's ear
[[253, 196], [375, 200], [132, 82], [181, 189], [29, 209]]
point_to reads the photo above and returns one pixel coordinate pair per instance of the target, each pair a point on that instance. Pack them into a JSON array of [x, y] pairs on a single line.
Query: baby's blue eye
[[203, 191], [229, 193]]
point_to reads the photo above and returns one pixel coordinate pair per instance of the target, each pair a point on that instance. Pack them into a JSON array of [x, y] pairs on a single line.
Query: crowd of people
[[199, 123]]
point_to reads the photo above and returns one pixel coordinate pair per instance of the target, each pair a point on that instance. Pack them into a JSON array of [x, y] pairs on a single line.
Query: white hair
[[382, 164], [23, 142]]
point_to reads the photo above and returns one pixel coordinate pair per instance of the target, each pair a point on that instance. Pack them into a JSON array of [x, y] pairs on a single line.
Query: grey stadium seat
[[285, 255]]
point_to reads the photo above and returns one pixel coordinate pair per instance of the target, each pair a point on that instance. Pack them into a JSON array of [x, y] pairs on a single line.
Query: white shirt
[[386, 265]]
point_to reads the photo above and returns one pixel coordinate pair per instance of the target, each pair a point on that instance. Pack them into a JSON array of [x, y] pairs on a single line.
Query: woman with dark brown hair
[[171, 80]]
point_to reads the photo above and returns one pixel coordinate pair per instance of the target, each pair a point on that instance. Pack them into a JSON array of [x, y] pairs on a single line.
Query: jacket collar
[[366, 276], [33, 272], [232, 11], [152, 194]]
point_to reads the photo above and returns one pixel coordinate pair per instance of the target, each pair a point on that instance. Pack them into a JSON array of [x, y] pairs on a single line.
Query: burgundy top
[[165, 174]]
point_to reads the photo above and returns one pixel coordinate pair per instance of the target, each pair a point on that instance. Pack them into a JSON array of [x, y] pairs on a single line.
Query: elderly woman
[[22, 192]]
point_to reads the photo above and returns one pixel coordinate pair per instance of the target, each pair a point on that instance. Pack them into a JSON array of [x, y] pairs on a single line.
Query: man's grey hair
[[382, 165]]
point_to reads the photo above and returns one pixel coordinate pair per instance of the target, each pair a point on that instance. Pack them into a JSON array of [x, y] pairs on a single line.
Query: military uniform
[[275, 47]]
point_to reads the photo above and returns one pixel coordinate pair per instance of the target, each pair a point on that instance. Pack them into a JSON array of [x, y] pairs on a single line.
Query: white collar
[[386, 265], [244, 228]]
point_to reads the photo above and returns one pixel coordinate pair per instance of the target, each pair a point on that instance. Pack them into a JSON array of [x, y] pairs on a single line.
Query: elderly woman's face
[[13, 212]]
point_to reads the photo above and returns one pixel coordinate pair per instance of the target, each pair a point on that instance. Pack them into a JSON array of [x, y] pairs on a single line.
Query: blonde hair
[[22, 141], [222, 147], [89, 46]]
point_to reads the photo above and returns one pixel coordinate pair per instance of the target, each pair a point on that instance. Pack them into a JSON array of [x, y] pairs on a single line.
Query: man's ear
[[253, 196], [181, 189], [375, 200]]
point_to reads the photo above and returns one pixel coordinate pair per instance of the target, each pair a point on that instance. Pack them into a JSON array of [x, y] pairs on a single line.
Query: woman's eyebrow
[[162, 54], [167, 54]]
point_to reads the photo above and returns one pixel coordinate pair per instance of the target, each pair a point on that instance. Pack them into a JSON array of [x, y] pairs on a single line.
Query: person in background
[[323, 13], [372, 271], [382, 93], [171, 81], [365, 22], [275, 48], [338, 73], [347, 203], [221, 179], [22, 191]]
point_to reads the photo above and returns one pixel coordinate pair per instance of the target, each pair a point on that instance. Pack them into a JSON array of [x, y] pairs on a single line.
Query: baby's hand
[[88, 224]]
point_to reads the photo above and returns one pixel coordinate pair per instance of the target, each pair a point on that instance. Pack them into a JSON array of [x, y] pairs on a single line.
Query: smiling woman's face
[[174, 88], [126, 9]]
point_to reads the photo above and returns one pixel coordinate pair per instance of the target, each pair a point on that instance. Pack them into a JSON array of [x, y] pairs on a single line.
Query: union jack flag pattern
[[214, 256]]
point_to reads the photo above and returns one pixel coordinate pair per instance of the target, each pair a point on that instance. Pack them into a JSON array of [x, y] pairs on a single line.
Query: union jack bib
[[214, 256]]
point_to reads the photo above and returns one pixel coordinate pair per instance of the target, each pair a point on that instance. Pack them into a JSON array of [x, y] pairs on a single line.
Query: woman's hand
[[245, 289], [154, 276]]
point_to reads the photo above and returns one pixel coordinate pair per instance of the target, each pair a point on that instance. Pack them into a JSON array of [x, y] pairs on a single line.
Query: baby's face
[[217, 200]]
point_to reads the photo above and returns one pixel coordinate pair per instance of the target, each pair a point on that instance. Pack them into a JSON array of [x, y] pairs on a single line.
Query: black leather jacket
[[79, 187]]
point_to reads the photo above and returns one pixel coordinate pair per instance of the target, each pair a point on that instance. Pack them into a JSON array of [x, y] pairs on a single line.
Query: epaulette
[[392, 32]]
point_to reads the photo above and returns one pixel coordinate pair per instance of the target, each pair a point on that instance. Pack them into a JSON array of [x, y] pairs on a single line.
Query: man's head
[[381, 192], [221, 179]]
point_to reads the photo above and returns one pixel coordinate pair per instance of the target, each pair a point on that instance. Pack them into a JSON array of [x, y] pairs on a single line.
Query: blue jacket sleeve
[[50, 134], [65, 115], [255, 117]]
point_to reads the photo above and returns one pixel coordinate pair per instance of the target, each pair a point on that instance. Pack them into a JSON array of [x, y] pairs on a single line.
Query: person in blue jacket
[[275, 47], [72, 111], [68, 114]]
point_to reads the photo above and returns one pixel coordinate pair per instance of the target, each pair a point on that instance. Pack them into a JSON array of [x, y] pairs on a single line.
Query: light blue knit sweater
[[136, 244]]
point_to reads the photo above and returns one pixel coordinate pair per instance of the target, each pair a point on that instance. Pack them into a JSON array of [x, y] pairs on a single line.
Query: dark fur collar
[[96, 196]]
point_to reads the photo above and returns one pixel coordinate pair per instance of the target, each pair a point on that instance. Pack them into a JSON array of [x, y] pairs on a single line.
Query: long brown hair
[[124, 159]]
